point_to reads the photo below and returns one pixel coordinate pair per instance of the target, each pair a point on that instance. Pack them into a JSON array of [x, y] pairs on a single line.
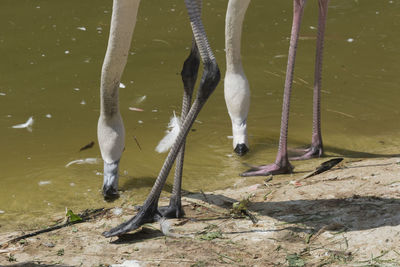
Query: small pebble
[[48, 244], [117, 211]]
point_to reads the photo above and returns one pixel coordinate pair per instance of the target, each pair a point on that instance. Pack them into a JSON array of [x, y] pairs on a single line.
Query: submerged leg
[[282, 164], [209, 81], [316, 148], [110, 128], [189, 77], [236, 86]]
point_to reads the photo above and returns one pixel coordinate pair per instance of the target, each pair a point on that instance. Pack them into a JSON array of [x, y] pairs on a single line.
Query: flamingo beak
[[110, 183]]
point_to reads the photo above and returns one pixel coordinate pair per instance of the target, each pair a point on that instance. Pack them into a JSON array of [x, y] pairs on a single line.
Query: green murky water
[[50, 69]]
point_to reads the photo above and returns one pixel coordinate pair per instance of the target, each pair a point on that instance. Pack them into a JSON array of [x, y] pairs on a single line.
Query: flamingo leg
[[209, 80], [316, 148], [282, 164], [189, 77], [110, 128]]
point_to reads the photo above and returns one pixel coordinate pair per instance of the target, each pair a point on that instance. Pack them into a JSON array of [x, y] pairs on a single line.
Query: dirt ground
[[349, 215]]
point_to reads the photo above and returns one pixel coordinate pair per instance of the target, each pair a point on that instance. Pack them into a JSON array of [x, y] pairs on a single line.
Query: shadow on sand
[[138, 236], [354, 154], [353, 214]]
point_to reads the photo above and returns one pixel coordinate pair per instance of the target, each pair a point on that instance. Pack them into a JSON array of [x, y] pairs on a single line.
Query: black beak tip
[[110, 194], [241, 149]]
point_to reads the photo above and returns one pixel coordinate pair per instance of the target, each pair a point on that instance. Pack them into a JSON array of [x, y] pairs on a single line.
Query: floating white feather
[[174, 127], [83, 161], [28, 125], [44, 183], [141, 99]]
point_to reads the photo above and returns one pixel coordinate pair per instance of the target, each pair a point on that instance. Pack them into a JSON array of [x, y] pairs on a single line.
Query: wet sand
[[348, 215]]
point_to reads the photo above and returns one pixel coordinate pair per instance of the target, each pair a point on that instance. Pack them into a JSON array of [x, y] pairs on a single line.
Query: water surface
[[51, 56]]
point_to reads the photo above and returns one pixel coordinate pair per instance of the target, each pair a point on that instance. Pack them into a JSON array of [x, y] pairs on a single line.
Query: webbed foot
[[148, 215], [171, 211], [308, 153], [270, 169]]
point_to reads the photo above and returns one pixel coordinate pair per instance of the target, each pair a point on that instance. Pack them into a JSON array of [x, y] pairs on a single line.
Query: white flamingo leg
[[236, 86], [110, 128]]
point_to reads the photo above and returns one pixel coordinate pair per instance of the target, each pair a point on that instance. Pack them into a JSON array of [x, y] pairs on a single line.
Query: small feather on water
[[174, 127], [136, 109], [141, 99], [82, 161], [28, 125]]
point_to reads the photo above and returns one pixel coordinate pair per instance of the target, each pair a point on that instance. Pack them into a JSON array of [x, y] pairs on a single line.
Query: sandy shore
[[349, 215]]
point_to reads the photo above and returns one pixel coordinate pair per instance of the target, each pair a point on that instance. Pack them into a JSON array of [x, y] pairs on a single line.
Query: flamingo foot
[[241, 149], [171, 211], [148, 215], [174, 210], [270, 169], [315, 151]]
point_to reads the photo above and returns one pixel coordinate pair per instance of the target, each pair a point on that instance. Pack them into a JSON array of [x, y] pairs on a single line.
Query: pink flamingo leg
[[282, 164], [316, 148]]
